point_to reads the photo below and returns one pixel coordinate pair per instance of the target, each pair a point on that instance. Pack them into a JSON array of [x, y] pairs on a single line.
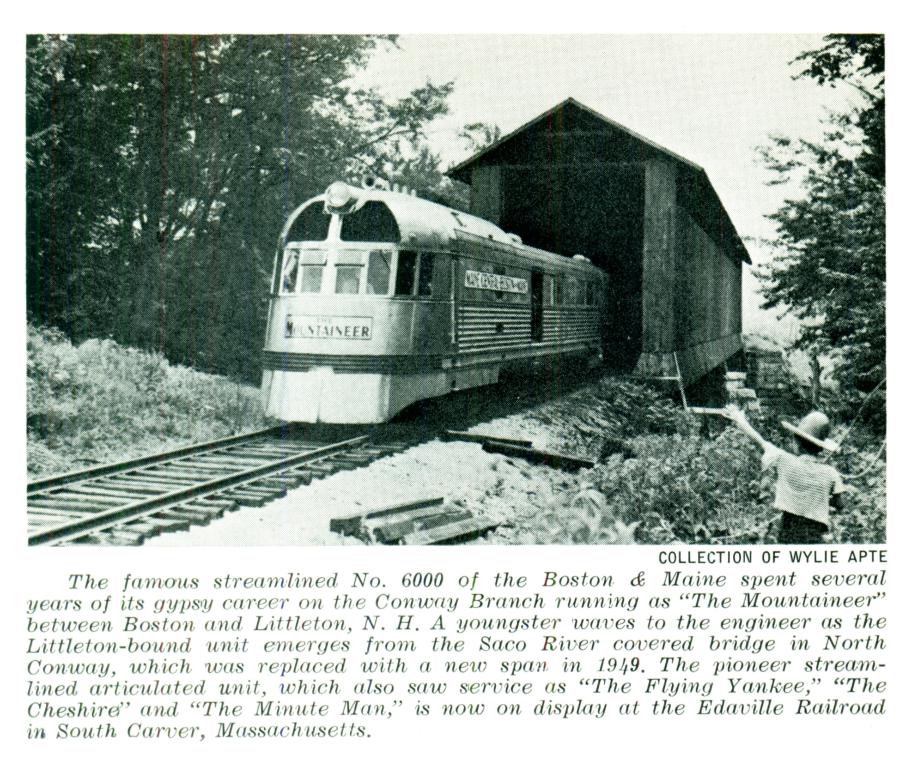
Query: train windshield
[[370, 223], [312, 271], [349, 271], [311, 225]]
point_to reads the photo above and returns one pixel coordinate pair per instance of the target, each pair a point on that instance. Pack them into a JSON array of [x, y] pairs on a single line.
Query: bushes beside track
[[101, 402], [680, 477]]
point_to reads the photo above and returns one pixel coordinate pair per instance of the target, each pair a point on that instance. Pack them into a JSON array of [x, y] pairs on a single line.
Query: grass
[[683, 478], [678, 477], [101, 402]]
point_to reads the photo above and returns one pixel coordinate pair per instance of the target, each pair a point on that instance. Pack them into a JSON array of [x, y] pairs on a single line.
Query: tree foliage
[[160, 170], [829, 267]]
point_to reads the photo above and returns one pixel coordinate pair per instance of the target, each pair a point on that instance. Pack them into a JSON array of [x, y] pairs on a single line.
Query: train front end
[[356, 328]]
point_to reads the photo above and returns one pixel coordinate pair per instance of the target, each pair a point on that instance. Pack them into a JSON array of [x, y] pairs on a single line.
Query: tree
[[829, 267], [422, 169], [160, 170]]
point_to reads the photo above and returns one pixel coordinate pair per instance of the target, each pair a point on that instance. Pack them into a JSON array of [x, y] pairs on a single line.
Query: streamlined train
[[381, 299]]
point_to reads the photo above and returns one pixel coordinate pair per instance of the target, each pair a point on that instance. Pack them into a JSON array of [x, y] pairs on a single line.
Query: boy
[[806, 488]]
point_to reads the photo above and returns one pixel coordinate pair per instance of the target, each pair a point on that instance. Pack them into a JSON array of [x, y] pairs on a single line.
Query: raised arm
[[737, 416]]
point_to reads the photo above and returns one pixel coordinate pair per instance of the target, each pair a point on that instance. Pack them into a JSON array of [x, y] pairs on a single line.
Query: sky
[[711, 98]]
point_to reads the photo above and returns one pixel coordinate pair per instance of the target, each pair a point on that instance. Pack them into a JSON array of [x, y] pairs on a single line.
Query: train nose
[[296, 396], [322, 395]]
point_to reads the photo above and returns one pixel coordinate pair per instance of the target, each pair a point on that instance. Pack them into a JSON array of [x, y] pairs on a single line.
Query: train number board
[[328, 326], [488, 281]]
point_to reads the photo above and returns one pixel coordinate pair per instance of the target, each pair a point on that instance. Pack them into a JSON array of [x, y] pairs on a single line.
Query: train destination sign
[[327, 326], [488, 281]]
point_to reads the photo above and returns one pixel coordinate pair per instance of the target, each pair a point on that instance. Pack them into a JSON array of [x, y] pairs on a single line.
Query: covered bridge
[[574, 182]]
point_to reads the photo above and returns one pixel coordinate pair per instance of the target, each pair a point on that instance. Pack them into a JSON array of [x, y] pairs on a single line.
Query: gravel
[[462, 473]]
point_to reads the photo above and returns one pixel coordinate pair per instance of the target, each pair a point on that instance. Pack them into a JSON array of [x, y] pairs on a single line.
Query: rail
[[129, 501]]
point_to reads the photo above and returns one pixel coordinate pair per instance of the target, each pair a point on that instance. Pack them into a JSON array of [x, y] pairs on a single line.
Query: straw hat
[[814, 428]]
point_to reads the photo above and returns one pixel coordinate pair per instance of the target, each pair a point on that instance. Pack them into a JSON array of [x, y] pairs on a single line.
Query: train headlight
[[339, 196]]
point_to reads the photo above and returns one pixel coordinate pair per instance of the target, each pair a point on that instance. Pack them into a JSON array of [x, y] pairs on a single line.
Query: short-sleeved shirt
[[804, 486]]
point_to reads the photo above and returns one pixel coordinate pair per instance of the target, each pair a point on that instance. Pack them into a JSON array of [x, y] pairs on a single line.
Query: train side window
[[548, 287], [372, 223], [379, 273], [404, 277], [425, 279], [499, 295], [289, 270], [311, 224], [571, 291]]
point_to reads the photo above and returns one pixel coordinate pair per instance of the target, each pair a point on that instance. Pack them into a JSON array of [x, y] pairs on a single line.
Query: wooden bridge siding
[[488, 193], [708, 306], [707, 301], [691, 287], [659, 252]]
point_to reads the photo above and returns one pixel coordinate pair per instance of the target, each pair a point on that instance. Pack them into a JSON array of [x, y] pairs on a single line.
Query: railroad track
[[124, 503]]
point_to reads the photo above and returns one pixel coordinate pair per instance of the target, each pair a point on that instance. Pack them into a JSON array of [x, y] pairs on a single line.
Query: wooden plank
[[659, 257], [407, 515], [215, 509], [278, 451], [552, 459], [347, 457], [349, 524], [79, 495], [303, 475], [281, 483], [183, 468], [126, 493], [261, 489], [42, 521], [488, 192], [241, 463], [125, 537], [250, 500], [216, 501], [451, 531], [63, 513], [194, 517], [41, 500], [159, 521], [164, 475], [320, 469], [126, 488], [160, 485], [397, 529], [481, 438]]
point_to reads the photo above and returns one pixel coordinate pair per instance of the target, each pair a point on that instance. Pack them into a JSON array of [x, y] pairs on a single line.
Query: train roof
[[424, 223]]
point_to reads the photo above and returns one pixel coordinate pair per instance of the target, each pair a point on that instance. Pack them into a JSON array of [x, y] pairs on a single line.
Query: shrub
[[99, 402]]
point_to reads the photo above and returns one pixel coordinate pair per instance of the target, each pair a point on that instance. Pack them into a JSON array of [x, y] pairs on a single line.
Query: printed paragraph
[[355, 653]]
